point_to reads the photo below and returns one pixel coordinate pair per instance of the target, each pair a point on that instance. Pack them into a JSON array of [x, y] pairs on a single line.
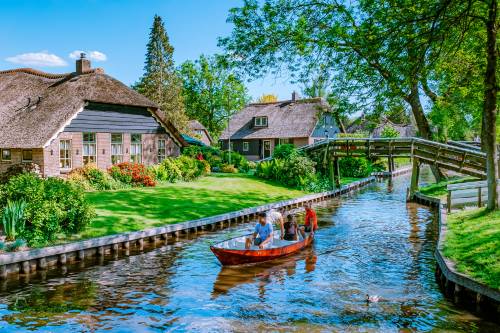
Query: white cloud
[[43, 58], [92, 55]]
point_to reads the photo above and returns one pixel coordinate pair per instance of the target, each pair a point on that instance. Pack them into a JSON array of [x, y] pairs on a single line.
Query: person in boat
[[275, 217], [263, 233], [311, 221], [291, 229]]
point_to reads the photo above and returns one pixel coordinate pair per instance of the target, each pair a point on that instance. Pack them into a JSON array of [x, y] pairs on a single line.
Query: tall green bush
[[354, 167], [13, 218], [53, 206], [284, 151]]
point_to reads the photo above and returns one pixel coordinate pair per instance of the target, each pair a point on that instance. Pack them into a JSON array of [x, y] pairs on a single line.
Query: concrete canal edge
[[461, 288], [42, 259]]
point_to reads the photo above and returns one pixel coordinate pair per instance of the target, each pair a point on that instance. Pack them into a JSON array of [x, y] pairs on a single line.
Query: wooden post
[[331, 173], [448, 202], [389, 163], [479, 199], [336, 171], [415, 174]]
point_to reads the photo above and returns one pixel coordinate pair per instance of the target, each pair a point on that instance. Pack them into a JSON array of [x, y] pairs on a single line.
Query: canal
[[369, 243]]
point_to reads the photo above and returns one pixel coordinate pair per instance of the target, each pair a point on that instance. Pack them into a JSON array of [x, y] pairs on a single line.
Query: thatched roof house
[[259, 127], [36, 108], [201, 132]]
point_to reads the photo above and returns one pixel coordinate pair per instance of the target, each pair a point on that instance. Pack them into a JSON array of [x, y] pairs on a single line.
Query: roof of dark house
[[286, 119], [36, 106], [196, 125]]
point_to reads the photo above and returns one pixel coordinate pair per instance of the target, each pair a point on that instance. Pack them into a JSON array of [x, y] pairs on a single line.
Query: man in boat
[[275, 217], [263, 233], [291, 229], [311, 221]]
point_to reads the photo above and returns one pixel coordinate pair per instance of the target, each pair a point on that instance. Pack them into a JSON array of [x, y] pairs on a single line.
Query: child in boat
[[291, 229], [263, 233], [311, 221]]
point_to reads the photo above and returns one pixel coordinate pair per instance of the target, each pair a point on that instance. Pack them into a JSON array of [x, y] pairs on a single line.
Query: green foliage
[[16, 245], [295, 171], [90, 177], [389, 132], [239, 161], [359, 134], [228, 168], [17, 169], [13, 218], [135, 174], [190, 167], [160, 81], [53, 206], [284, 151], [355, 167], [212, 92], [2, 246]]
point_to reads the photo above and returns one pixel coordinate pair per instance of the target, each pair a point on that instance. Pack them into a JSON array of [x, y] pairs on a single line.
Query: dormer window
[[260, 121]]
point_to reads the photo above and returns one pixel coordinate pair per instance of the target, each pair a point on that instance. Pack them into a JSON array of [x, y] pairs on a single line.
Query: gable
[[96, 117]]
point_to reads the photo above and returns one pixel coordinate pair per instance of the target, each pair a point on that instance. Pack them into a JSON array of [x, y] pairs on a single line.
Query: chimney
[[82, 64], [295, 96]]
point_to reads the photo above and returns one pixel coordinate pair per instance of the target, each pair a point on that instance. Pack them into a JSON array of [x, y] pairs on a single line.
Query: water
[[370, 242]]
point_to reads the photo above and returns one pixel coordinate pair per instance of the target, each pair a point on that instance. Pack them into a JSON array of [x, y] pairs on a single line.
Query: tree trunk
[[422, 123], [489, 130]]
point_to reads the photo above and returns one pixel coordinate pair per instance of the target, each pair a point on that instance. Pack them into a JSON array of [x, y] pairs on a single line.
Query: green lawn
[[438, 190], [142, 208], [473, 242]]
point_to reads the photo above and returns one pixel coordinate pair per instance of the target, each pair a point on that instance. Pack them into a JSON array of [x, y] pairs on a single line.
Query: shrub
[[239, 161], [135, 174], [204, 166], [298, 171], [13, 218], [284, 151], [18, 169], [52, 206], [228, 168], [17, 245], [354, 167], [252, 165], [189, 167], [167, 171], [389, 132], [2, 246], [264, 170], [91, 177]]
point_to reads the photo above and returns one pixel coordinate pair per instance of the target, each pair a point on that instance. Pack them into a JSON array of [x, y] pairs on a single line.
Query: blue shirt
[[264, 231]]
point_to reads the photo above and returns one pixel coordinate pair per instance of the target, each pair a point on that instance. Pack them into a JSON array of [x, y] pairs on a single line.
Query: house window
[[65, 154], [136, 148], [245, 146], [116, 148], [27, 155], [89, 148], [284, 141], [162, 150], [6, 155], [260, 121]]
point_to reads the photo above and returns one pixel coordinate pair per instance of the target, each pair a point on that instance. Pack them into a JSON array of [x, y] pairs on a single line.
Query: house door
[[266, 151]]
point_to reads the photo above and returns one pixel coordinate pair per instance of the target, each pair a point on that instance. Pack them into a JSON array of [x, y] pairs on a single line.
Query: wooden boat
[[232, 251]]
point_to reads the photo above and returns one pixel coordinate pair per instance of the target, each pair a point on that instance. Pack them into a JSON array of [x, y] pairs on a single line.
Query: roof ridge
[[46, 75], [302, 100]]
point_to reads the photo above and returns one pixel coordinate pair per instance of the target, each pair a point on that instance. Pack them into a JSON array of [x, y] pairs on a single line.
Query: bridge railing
[[463, 194]]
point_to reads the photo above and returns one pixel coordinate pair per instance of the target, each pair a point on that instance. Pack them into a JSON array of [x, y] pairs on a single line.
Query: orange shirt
[[311, 218]]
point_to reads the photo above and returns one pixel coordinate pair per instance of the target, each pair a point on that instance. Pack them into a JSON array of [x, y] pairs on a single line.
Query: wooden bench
[[467, 193]]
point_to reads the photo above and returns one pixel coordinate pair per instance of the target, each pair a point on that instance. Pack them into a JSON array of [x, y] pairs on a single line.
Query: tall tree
[[212, 92], [160, 82], [267, 98], [362, 44]]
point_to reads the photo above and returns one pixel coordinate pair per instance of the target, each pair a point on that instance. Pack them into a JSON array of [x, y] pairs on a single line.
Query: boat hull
[[232, 257]]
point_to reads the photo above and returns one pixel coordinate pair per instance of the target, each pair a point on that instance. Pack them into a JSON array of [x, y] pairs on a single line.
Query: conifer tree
[[160, 81]]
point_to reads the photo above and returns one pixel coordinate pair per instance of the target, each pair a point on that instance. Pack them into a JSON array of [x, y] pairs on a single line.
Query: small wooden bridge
[[459, 158]]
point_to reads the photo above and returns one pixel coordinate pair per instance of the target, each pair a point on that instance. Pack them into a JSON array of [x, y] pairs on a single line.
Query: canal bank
[[459, 287]]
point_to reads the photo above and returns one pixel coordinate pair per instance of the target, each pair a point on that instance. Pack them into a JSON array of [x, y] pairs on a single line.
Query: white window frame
[[22, 155], [162, 150], [65, 152], [116, 149], [88, 146], [2, 156], [283, 141], [260, 121], [246, 146], [135, 149]]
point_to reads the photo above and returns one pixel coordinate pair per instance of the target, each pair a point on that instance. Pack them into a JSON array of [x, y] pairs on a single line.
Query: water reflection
[[371, 242]]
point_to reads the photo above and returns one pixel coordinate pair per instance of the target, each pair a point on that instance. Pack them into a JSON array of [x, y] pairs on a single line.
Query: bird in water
[[372, 298]]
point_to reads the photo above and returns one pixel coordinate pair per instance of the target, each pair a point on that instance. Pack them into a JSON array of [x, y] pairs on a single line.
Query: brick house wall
[[48, 158]]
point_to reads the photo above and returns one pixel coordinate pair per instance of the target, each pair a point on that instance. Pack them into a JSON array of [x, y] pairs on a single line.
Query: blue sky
[[37, 33]]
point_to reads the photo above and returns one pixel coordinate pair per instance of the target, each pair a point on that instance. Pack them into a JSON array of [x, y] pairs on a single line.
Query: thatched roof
[[36, 106], [196, 125], [286, 119]]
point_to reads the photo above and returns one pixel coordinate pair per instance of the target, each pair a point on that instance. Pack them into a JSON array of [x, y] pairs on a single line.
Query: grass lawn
[[438, 190], [473, 242], [141, 208]]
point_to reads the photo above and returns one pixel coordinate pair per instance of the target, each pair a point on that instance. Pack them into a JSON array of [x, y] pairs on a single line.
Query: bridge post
[[336, 171], [331, 173], [415, 175]]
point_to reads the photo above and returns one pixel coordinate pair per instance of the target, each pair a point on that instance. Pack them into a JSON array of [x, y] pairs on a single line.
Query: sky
[[48, 35]]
